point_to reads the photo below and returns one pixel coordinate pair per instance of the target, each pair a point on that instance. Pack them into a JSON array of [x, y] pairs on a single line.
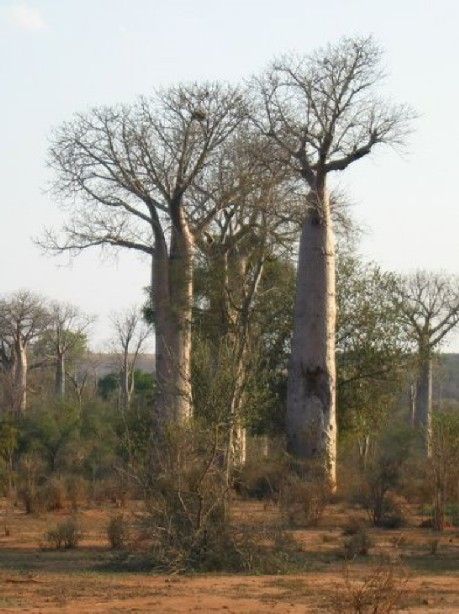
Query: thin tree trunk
[[59, 383], [125, 384], [20, 377], [412, 404], [311, 412], [423, 414]]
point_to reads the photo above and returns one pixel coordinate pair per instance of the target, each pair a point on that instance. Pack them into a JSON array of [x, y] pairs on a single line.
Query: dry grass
[[84, 579]]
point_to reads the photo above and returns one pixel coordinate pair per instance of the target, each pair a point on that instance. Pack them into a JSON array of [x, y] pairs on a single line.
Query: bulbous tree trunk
[[59, 381], [423, 411], [311, 391]]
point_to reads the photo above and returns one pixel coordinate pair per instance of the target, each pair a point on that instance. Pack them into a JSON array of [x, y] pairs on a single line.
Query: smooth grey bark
[[172, 296], [423, 403], [59, 381], [20, 376], [311, 390]]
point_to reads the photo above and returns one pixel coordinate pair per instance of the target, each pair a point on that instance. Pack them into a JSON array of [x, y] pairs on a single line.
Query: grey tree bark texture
[[311, 392], [423, 402], [321, 114], [59, 382]]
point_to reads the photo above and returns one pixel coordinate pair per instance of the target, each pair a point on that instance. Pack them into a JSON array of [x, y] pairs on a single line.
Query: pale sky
[[60, 56]]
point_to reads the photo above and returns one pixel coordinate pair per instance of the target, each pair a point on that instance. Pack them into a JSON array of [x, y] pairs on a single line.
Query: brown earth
[[83, 580]]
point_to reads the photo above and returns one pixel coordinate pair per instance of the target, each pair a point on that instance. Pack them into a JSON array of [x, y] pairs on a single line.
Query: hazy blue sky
[[59, 56]]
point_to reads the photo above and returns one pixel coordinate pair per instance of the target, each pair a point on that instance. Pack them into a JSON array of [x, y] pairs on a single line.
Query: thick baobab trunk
[[311, 412], [181, 293], [172, 294], [161, 308], [59, 382], [423, 413], [20, 377]]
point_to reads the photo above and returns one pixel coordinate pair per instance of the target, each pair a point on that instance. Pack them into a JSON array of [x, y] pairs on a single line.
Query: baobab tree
[[131, 332], [127, 172], [428, 305], [322, 114], [65, 335], [23, 317]]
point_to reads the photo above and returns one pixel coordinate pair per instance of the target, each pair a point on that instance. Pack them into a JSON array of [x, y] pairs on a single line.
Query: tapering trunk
[[20, 377], [311, 412], [59, 381], [423, 413]]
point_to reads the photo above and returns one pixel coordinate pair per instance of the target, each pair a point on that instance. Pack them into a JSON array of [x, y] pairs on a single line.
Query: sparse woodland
[[287, 369]]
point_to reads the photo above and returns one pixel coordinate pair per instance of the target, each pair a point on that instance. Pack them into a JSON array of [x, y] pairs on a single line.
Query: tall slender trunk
[[59, 381], [412, 404], [423, 413], [311, 391], [20, 377], [125, 383]]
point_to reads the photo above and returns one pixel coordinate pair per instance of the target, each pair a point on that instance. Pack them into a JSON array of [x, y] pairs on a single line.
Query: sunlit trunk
[[311, 414], [423, 413], [125, 383], [59, 382], [20, 377], [172, 289]]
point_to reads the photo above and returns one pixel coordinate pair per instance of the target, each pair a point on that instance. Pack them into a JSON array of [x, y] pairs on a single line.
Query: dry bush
[[53, 493], [118, 532], [77, 491], [432, 545], [30, 475], [358, 544], [302, 502], [262, 480], [442, 475], [66, 535], [381, 591], [186, 501], [353, 526]]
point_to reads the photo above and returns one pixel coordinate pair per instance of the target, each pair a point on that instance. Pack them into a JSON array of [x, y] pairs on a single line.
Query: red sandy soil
[[34, 580]]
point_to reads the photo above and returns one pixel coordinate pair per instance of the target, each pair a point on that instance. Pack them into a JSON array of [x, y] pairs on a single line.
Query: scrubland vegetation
[[289, 426]]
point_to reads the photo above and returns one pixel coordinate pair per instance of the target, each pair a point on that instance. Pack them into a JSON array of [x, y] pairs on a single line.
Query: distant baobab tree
[[23, 318], [429, 310]]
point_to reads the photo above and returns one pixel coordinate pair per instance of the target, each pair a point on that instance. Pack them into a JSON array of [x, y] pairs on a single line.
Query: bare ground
[[83, 580]]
